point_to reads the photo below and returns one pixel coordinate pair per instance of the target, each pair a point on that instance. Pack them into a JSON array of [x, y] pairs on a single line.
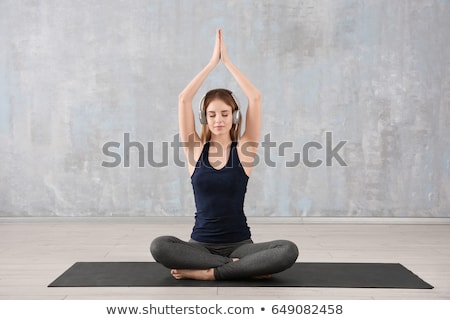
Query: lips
[[219, 127]]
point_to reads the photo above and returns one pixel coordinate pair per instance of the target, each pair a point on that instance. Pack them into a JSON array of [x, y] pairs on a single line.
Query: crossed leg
[[193, 261], [259, 260], [186, 260]]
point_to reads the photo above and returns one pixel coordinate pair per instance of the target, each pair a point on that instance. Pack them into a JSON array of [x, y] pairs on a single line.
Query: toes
[[175, 274]]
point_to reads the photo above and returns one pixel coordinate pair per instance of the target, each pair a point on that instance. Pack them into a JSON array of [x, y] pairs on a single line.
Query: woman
[[220, 164]]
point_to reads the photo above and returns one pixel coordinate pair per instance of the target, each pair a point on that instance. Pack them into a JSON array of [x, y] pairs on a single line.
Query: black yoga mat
[[305, 274]]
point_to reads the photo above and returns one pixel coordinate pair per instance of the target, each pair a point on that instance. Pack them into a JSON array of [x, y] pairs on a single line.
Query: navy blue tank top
[[219, 199]]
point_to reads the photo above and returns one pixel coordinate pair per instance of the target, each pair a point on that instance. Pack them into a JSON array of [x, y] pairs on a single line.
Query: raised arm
[[186, 122], [250, 139], [253, 116]]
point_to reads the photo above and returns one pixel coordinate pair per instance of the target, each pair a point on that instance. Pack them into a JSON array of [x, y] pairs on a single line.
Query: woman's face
[[219, 117]]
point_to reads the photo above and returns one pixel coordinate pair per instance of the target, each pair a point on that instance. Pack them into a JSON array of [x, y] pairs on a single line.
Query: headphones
[[236, 113]]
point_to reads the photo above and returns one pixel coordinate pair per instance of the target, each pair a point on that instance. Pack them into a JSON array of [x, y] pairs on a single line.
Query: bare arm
[[186, 122], [185, 113], [253, 116], [250, 139]]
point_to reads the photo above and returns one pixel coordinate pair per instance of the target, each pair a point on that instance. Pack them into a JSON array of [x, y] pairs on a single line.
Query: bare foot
[[179, 274]]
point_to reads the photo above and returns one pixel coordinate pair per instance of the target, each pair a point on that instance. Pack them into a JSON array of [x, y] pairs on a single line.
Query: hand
[[216, 53], [223, 49]]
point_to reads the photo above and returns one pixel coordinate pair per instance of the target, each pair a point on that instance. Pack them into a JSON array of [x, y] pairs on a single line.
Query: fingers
[[218, 35], [220, 51], [223, 49], [216, 52], [219, 39]]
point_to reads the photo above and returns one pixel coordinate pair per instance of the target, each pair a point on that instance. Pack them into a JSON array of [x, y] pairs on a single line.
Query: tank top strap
[[203, 159]]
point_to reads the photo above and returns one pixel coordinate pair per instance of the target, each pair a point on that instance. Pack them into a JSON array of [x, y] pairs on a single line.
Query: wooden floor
[[33, 254]]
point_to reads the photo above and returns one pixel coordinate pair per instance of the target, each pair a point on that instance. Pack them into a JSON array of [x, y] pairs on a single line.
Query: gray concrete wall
[[76, 75]]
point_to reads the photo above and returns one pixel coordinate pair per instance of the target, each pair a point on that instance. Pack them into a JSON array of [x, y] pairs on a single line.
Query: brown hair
[[226, 96]]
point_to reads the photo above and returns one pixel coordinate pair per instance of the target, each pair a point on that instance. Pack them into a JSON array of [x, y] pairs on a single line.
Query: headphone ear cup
[[236, 116], [202, 117], [237, 112], [202, 113]]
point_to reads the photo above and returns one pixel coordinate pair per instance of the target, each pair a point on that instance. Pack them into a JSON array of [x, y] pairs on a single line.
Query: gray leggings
[[255, 259]]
